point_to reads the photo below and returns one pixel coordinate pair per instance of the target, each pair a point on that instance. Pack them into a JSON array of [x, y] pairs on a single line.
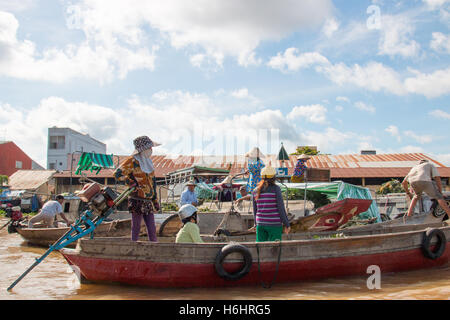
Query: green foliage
[[393, 186], [306, 150], [169, 206], [319, 199], [3, 180]]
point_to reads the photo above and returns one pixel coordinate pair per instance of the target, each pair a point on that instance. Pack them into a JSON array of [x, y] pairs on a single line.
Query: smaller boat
[[331, 216], [47, 236]]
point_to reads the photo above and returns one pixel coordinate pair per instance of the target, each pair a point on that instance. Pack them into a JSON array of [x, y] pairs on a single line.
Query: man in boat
[[188, 196], [244, 195], [268, 208], [138, 170], [48, 213], [190, 232], [424, 177]]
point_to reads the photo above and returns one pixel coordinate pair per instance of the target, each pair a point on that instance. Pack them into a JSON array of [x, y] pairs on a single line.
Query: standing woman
[[254, 166], [138, 170], [268, 208]]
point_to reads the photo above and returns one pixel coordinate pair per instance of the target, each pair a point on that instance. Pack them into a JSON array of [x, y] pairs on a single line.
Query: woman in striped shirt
[[268, 208]]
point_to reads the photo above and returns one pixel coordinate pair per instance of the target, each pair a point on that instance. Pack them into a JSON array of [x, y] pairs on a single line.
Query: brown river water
[[53, 279]]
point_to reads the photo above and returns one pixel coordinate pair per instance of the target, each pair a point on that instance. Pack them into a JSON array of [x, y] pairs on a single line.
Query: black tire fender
[[225, 232], [169, 219], [440, 245], [230, 248], [437, 210]]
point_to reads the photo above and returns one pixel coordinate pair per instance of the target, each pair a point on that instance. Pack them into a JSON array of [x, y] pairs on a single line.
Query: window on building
[[18, 164], [51, 166], [57, 142]]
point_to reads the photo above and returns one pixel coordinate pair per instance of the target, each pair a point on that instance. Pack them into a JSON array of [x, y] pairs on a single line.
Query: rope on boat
[[265, 286], [113, 225]]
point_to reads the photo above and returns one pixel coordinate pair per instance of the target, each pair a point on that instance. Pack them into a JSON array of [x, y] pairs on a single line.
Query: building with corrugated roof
[[370, 170]]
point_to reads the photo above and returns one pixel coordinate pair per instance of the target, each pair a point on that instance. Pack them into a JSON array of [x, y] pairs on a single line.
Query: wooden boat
[[300, 256], [116, 228], [331, 216], [48, 236]]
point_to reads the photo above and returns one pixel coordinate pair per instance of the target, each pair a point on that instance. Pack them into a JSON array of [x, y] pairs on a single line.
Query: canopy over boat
[[339, 190]]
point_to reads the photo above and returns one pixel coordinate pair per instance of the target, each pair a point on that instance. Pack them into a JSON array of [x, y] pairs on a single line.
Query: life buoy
[[440, 244], [229, 249]]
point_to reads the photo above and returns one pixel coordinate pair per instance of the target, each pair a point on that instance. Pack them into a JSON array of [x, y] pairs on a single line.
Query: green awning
[[94, 161], [282, 155]]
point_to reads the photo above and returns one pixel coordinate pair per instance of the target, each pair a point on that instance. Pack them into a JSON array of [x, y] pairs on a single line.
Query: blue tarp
[[12, 193]]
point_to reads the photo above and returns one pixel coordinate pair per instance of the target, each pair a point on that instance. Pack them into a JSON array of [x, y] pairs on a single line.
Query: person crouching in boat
[[268, 208], [138, 170], [190, 233]]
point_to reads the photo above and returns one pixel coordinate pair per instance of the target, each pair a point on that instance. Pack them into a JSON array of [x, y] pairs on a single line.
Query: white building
[[65, 141]]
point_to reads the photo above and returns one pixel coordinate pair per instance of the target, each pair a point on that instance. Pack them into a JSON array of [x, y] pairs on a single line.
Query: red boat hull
[[166, 275]]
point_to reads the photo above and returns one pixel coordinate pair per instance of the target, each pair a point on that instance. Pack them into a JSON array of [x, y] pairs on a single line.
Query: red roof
[[341, 166]]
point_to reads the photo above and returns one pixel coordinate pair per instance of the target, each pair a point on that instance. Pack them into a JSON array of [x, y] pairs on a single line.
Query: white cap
[[186, 211]]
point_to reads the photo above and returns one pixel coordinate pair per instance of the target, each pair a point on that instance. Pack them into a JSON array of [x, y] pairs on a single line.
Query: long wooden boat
[[298, 257]]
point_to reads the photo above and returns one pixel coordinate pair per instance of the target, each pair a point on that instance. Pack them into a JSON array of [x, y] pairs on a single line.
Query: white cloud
[[396, 32], [436, 3], [181, 121], [430, 85], [339, 108], [411, 149], [216, 29], [329, 138], [313, 113], [293, 60], [15, 6], [440, 114], [422, 139], [393, 130], [378, 77], [330, 27], [374, 76], [101, 61], [440, 42], [365, 107], [240, 93], [344, 99]]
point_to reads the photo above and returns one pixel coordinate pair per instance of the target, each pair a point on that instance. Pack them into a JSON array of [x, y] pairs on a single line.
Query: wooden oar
[[6, 224]]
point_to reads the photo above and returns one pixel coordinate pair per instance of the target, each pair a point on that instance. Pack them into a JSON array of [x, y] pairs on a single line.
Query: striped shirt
[[269, 208]]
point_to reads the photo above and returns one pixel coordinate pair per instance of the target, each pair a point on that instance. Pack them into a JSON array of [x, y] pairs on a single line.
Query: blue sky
[[219, 77]]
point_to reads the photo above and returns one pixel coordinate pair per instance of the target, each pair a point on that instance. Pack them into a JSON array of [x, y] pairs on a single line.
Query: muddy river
[[53, 279]]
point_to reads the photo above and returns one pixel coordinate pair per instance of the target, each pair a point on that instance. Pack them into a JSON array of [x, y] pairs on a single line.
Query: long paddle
[[85, 225]]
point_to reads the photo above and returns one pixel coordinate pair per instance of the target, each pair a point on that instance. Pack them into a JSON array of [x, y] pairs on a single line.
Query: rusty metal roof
[[29, 179], [341, 166]]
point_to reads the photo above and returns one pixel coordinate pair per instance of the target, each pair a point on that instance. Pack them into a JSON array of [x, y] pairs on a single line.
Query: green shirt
[[190, 233]]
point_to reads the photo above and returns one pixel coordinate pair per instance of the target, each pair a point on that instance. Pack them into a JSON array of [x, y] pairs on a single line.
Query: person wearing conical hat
[[268, 208], [188, 196], [300, 168], [138, 170], [254, 166]]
